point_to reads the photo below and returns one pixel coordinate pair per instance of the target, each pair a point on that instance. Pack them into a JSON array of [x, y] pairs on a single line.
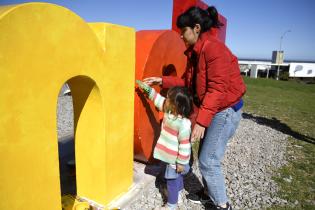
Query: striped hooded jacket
[[173, 145]]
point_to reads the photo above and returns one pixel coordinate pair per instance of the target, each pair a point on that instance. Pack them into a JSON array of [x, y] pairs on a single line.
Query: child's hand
[[146, 88], [179, 168]]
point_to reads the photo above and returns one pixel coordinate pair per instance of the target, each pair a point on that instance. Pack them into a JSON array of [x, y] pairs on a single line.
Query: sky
[[253, 31]]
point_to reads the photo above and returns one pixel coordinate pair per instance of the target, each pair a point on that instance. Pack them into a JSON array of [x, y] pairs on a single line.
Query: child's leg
[[173, 189]]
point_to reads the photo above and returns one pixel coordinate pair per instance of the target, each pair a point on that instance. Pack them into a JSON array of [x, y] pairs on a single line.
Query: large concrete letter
[[158, 53], [42, 46]]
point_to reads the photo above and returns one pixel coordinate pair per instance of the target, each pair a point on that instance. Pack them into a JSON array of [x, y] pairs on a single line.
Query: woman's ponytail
[[214, 16], [207, 19]]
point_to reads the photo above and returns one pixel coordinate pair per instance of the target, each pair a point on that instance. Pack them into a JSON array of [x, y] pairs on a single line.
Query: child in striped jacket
[[173, 146]]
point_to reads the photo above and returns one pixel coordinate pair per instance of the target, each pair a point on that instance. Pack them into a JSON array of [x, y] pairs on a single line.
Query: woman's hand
[[198, 132], [153, 81]]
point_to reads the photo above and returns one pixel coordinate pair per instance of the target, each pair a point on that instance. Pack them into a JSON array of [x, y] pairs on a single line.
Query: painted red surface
[[157, 53]]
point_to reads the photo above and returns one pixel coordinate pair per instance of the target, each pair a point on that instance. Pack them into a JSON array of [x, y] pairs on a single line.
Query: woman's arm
[[165, 81], [171, 81]]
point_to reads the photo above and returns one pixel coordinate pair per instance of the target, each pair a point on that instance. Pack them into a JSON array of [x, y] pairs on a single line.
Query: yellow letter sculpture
[[42, 46]]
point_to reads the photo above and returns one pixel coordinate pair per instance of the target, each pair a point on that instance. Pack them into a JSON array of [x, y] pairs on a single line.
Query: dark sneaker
[[198, 197], [228, 207]]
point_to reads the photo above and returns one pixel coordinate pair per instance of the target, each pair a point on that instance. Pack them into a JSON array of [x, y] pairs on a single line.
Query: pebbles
[[65, 116], [252, 155]]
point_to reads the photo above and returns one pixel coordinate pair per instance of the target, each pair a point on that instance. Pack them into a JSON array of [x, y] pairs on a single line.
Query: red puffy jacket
[[219, 84]]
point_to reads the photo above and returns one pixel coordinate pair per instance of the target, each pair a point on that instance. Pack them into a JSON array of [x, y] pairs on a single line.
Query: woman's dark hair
[[181, 98], [207, 19]]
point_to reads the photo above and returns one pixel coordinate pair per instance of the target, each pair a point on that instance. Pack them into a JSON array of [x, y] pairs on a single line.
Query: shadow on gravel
[[67, 172], [278, 125], [158, 171]]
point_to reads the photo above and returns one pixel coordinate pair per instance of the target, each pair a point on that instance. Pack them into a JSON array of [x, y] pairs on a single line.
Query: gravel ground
[[251, 156], [65, 116]]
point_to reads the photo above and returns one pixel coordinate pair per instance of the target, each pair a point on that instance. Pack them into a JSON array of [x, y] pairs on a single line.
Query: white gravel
[[252, 155], [65, 116]]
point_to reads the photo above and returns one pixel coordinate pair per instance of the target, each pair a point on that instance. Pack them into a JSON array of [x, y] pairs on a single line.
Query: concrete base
[[143, 176], [141, 181]]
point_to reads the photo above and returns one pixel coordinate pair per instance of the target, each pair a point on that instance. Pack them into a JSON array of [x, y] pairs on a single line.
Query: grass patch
[[288, 101], [289, 107]]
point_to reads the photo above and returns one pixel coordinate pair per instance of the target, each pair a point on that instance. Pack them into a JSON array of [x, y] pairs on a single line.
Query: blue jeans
[[175, 184], [212, 151]]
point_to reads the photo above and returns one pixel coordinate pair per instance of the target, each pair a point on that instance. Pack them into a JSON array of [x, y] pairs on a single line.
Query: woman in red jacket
[[213, 75]]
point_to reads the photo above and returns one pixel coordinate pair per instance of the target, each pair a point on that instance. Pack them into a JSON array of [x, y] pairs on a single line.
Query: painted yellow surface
[[42, 46]]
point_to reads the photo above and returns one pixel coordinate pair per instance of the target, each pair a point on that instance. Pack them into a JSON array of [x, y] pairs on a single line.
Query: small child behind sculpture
[[173, 146]]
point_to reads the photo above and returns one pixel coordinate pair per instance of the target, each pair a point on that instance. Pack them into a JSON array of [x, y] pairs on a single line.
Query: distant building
[[302, 70], [277, 57], [265, 68]]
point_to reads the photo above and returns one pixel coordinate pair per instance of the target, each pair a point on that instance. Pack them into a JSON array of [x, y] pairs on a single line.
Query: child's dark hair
[[207, 19], [181, 98]]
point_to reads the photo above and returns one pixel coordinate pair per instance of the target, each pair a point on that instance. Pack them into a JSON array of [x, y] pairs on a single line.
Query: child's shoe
[[164, 207]]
